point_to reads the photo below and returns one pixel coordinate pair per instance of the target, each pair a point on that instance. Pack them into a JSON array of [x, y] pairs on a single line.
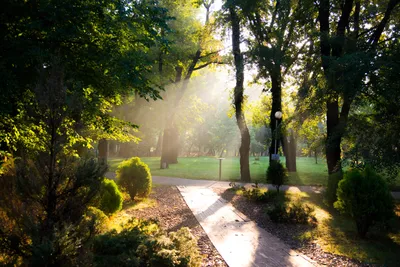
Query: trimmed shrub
[[142, 243], [134, 176], [364, 195], [295, 213], [277, 174], [109, 199]]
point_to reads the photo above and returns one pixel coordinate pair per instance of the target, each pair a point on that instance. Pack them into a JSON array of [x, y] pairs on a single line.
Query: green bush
[[364, 196], [256, 194], [109, 199], [94, 222], [276, 174], [134, 176], [142, 243], [295, 213]]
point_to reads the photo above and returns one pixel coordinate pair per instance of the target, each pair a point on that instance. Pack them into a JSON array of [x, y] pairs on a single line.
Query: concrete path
[[239, 240], [224, 184], [162, 180]]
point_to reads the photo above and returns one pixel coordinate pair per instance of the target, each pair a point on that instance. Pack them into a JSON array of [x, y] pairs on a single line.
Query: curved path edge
[[238, 239]]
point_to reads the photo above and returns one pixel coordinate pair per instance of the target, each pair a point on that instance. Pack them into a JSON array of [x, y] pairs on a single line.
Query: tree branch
[[373, 41], [211, 53], [208, 63]]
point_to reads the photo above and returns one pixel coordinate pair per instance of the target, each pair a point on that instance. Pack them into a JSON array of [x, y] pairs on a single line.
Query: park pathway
[[239, 240], [162, 180]]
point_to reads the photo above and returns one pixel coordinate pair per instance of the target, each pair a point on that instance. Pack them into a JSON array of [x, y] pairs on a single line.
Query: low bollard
[[220, 163]]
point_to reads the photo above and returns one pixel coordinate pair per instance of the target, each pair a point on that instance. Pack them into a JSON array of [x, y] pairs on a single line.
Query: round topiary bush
[[364, 196], [134, 176], [110, 198], [276, 174]]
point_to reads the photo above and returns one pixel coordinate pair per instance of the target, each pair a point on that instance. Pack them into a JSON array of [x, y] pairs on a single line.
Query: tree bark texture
[[276, 91], [244, 149], [103, 150], [290, 147]]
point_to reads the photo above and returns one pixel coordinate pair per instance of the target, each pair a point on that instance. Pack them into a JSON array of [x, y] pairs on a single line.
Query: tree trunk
[[159, 145], [290, 152], [316, 156], [244, 149], [175, 145], [334, 138], [276, 91], [103, 150]]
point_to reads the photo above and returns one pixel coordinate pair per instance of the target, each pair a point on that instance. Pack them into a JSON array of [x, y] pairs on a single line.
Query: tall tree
[[81, 57], [349, 42], [203, 52], [244, 149], [278, 37]]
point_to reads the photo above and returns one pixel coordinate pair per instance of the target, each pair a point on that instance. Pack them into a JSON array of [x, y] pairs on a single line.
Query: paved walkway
[[239, 240], [224, 184]]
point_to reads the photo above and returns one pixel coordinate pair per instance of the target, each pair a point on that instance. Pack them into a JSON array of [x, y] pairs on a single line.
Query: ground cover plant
[[143, 243]]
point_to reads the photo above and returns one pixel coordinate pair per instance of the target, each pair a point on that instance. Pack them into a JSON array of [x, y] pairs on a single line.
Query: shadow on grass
[[337, 234]]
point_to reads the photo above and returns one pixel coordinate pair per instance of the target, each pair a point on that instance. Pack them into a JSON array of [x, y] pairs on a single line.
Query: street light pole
[[276, 136]]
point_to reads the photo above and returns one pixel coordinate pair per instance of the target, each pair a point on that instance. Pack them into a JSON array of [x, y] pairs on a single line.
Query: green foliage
[[25, 197], [134, 176], [142, 243], [295, 213], [110, 198], [331, 189], [364, 196], [258, 195], [276, 174], [97, 219]]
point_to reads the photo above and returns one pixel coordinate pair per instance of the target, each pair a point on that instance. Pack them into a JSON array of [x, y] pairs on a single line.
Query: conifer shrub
[[134, 176], [277, 174], [364, 195], [94, 222], [110, 198], [142, 243]]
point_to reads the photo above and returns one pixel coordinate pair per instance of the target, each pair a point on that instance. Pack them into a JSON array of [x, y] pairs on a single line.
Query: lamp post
[[278, 116]]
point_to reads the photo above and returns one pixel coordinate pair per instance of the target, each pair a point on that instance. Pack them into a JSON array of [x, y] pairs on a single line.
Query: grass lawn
[[308, 173]]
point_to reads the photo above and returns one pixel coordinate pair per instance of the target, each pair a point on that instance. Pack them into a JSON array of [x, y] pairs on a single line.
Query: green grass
[[337, 234], [308, 173]]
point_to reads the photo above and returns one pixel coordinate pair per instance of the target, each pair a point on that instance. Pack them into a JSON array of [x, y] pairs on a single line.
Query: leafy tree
[[278, 36], [203, 52], [65, 63], [312, 135], [238, 98], [351, 35]]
